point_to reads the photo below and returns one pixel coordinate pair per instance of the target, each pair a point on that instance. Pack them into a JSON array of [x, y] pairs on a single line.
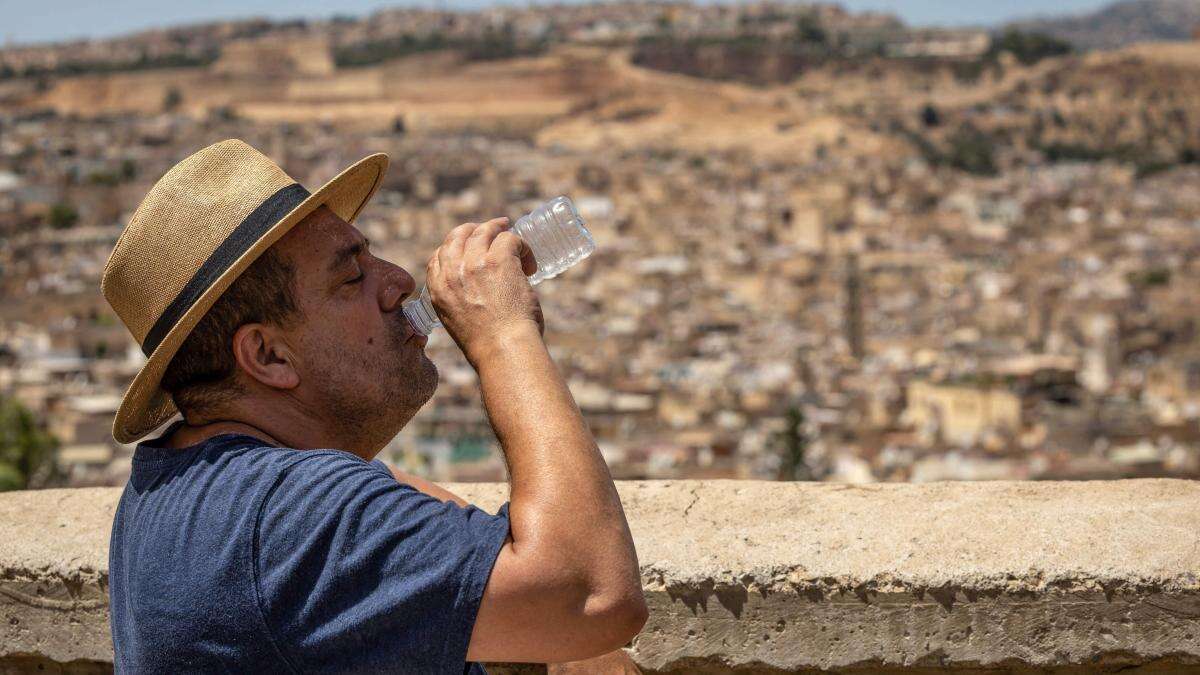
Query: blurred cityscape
[[831, 246]]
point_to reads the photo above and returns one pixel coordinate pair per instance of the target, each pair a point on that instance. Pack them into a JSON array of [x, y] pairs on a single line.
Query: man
[[259, 533]]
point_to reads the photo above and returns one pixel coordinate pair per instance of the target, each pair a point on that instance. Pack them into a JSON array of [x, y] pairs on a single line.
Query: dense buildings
[[820, 271]]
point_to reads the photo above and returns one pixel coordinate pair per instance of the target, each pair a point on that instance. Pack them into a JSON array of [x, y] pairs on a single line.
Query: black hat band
[[244, 236]]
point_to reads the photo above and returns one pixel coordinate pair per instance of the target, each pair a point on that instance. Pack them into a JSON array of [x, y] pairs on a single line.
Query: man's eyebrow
[[346, 253]]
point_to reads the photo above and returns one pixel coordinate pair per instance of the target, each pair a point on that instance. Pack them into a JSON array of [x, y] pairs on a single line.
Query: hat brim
[[145, 405]]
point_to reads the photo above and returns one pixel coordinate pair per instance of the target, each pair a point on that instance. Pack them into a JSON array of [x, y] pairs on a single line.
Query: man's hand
[[477, 281]]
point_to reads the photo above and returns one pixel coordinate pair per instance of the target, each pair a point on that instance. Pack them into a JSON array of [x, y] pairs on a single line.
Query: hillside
[[801, 91], [1135, 105], [1123, 23]]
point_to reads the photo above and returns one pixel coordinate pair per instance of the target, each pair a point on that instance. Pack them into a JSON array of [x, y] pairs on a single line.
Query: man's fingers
[[433, 267], [528, 263], [460, 232], [480, 240], [445, 264], [507, 243], [457, 238]]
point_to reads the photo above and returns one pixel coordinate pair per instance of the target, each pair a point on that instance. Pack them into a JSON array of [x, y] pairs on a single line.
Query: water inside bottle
[[556, 234]]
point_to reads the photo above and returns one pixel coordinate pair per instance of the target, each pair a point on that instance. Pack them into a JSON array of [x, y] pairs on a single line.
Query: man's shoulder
[[247, 466], [268, 461], [326, 463], [324, 480]]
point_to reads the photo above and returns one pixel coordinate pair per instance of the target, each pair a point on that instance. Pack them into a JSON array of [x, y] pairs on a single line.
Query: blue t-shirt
[[235, 556]]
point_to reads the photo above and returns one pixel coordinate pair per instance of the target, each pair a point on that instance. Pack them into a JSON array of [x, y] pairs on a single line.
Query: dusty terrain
[[1135, 104], [578, 97]]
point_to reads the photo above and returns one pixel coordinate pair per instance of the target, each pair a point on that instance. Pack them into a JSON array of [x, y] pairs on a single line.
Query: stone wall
[[758, 577]]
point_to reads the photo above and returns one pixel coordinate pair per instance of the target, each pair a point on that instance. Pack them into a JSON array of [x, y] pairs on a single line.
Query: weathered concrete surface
[[766, 577], [54, 577]]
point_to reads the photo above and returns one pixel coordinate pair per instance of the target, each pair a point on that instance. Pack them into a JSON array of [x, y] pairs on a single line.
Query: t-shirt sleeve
[[357, 572]]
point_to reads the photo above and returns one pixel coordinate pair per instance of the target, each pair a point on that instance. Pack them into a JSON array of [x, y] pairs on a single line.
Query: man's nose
[[397, 285]]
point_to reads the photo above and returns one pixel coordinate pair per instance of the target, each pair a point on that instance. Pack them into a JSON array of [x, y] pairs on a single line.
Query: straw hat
[[199, 227]]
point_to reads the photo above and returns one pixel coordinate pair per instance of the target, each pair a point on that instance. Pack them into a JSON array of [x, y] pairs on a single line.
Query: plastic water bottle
[[555, 233]]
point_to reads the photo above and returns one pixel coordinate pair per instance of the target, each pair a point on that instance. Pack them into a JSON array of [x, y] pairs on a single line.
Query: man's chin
[[434, 376], [413, 378], [425, 381], [417, 392]]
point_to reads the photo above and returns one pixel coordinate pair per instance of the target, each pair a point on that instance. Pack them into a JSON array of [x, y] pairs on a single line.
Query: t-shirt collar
[[154, 451]]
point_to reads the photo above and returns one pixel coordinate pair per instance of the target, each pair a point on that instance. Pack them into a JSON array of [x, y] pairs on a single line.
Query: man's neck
[[191, 434], [286, 427]]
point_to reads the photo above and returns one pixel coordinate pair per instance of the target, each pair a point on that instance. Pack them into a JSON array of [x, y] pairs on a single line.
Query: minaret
[[853, 306]]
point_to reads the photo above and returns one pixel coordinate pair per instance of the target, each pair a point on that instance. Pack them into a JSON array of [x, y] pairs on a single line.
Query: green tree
[[26, 449], [128, 169], [63, 215], [791, 444], [172, 99], [809, 30], [972, 151], [1029, 48], [503, 43], [930, 116]]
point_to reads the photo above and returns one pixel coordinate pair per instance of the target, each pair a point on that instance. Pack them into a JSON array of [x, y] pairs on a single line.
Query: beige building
[[961, 415]]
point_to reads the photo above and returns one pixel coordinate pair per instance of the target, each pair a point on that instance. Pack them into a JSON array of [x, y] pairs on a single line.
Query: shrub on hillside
[[1028, 47]]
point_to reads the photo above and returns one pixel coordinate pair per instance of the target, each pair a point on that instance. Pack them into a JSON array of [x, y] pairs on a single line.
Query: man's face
[[361, 365]]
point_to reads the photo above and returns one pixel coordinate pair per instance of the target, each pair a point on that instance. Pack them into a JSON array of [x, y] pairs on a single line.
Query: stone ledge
[[767, 577]]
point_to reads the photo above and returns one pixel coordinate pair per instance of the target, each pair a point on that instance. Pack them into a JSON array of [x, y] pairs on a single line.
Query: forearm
[[563, 500]]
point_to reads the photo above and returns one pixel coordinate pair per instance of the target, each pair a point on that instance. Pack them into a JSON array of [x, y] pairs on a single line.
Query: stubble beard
[[382, 395], [414, 378]]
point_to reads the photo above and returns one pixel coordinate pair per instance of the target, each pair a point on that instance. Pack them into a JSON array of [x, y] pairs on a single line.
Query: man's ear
[[263, 354]]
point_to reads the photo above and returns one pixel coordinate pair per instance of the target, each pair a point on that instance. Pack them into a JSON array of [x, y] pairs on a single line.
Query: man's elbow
[[634, 616], [619, 619]]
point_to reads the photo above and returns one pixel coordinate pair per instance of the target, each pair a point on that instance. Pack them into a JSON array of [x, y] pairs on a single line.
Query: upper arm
[[519, 611], [534, 610], [356, 571]]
